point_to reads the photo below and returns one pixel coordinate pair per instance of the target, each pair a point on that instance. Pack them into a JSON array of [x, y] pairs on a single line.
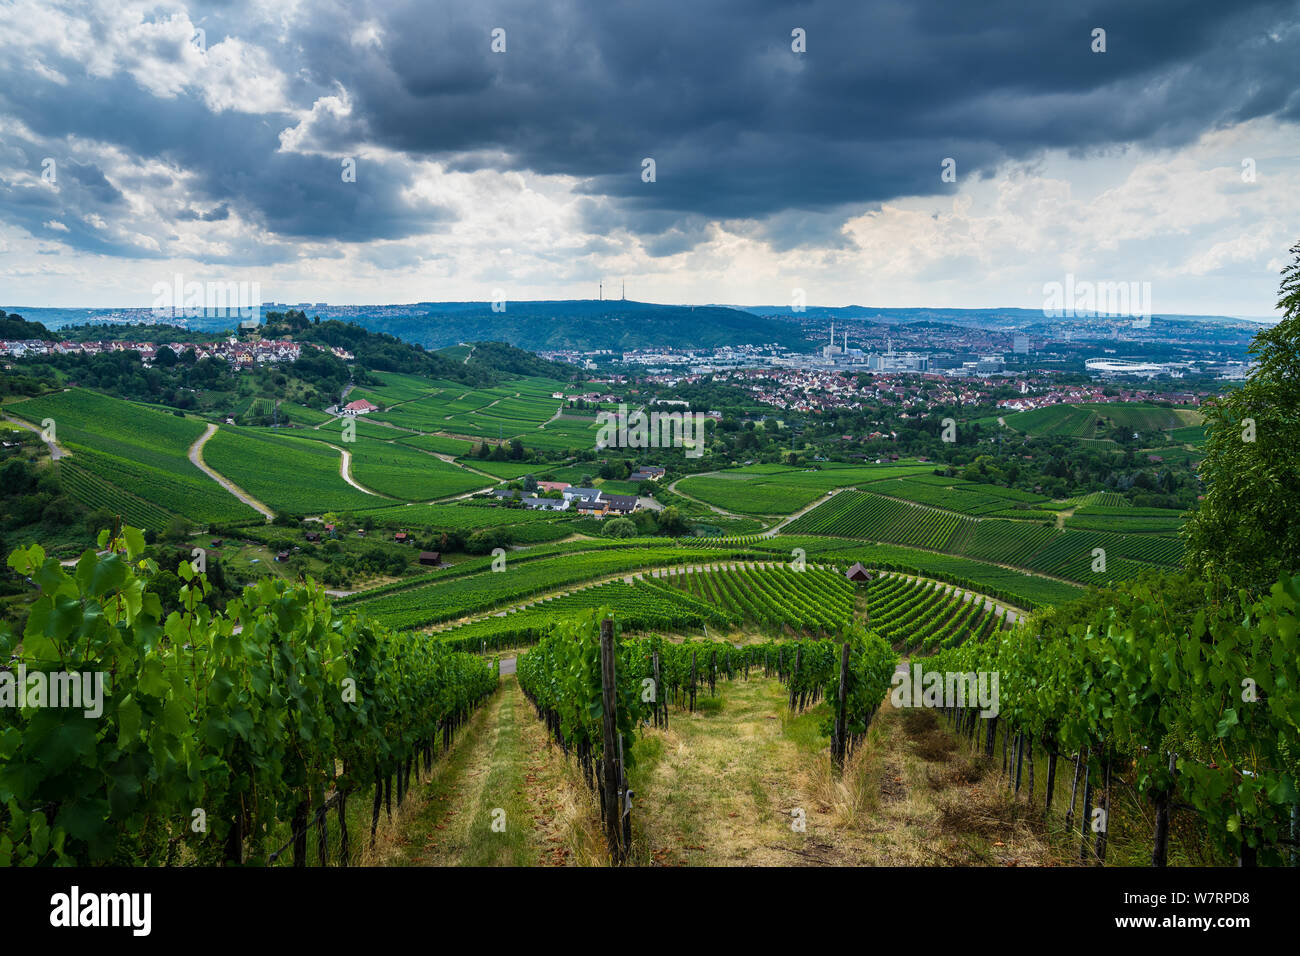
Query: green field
[[290, 474], [779, 490], [1094, 420], [399, 471], [132, 459]]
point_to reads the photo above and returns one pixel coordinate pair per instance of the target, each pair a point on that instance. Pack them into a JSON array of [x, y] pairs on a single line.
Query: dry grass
[[719, 788]]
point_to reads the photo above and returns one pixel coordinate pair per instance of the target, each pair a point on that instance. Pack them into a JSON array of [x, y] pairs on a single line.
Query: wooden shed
[[432, 558], [858, 574]]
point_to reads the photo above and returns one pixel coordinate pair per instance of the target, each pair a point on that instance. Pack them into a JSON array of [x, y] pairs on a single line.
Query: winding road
[[196, 456], [55, 451]]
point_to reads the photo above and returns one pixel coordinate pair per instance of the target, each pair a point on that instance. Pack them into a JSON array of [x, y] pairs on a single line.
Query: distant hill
[[586, 325]]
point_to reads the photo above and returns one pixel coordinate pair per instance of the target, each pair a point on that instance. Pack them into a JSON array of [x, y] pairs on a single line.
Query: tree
[[530, 484], [620, 528], [1248, 525], [670, 520]]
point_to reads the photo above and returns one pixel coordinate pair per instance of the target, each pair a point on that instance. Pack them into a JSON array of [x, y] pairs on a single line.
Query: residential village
[[810, 390], [238, 353]]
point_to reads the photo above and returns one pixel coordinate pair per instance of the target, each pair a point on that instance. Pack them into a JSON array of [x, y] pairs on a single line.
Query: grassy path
[[504, 797], [741, 782], [728, 785]]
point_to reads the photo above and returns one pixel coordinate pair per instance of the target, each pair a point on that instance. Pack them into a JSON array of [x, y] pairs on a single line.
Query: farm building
[[431, 558], [360, 407], [857, 573]]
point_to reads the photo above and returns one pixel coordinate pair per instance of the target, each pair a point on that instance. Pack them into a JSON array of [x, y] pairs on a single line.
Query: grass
[[506, 797], [722, 787]]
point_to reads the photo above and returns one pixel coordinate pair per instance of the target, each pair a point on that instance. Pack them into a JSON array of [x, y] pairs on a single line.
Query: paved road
[[196, 456], [55, 451]]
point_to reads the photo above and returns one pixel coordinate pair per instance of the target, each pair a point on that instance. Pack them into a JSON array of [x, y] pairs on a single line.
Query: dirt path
[[196, 457], [56, 452], [776, 528]]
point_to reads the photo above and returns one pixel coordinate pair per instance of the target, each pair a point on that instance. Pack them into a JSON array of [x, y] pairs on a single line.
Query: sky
[[897, 154]]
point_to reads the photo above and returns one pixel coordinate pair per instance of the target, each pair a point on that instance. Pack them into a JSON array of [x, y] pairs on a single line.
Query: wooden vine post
[[610, 763], [839, 744]]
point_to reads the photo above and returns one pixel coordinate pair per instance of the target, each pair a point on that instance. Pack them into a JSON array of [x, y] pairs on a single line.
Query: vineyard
[[254, 715], [1071, 553], [594, 692], [1188, 693], [131, 459], [293, 475], [926, 616], [779, 490], [447, 599], [911, 614], [812, 601], [1021, 588], [861, 514], [1087, 421]]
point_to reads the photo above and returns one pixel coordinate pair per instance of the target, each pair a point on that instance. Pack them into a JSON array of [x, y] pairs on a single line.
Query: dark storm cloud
[[740, 127]]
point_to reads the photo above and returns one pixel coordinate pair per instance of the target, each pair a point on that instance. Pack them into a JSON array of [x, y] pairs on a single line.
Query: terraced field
[[913, 614], [132, 459]]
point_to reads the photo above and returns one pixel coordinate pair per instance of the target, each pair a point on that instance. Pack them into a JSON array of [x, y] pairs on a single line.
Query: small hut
[[858, 574], [431, 558]]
